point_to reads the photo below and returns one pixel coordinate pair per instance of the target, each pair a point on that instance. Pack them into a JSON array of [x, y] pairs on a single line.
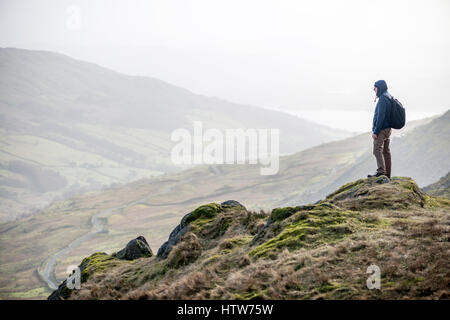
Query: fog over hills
[[69, 126], [217, 149]]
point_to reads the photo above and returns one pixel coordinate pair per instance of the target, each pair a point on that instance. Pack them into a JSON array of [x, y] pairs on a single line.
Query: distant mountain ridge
[[440, 188], [76, 126]]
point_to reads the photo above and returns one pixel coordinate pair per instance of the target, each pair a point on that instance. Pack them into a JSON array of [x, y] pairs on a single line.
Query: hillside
[[67, 231], [68, 126], [316, 251], [440, 188]]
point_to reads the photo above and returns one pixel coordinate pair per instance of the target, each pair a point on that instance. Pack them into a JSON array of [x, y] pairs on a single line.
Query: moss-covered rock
[[232, 204], [61, 293], [192, 220], [207, 221], [206, 211], [98, 262], [136, 248], [373, 193]]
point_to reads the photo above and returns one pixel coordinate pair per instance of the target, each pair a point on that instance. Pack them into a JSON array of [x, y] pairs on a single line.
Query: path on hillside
[[97, 226]]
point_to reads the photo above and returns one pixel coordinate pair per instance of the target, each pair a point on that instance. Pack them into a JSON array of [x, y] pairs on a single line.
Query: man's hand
[[374, 136]]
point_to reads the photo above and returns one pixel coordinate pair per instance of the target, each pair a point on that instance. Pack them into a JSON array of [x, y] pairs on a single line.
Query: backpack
[[397, 116]]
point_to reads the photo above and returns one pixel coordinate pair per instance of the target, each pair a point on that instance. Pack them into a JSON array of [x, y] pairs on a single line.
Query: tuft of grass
[[231, 243], [185, 252]]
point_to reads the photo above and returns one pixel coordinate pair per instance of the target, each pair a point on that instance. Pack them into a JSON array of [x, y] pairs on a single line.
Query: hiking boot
[[375, 175]]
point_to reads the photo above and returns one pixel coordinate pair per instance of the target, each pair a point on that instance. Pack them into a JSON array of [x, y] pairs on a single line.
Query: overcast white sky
[[315, 59]]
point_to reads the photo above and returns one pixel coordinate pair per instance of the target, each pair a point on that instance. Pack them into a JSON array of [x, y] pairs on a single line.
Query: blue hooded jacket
[[382, 109]]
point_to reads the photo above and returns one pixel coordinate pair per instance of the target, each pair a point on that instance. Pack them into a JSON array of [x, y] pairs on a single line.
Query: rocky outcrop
[[101, 262], [208, 210], [313, 251], [378, 193], [63, 292], [231, 204], [174, 238], [135, 249]]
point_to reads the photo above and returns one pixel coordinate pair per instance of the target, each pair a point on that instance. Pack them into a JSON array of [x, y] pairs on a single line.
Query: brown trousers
[[382, 152]]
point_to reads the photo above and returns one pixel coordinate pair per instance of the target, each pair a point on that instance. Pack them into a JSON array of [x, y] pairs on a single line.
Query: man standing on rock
[[381, 130]]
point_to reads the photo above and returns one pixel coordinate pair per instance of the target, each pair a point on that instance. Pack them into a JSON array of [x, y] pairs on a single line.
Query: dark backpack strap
[[392, 107]]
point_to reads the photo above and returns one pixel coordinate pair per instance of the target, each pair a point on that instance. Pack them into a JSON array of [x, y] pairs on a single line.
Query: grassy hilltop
[[321, 250]]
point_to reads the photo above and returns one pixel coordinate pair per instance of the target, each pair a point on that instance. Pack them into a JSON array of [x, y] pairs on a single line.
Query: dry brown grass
[[411, 247]]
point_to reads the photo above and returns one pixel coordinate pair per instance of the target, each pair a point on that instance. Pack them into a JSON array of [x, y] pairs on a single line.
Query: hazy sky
[[316, 59]]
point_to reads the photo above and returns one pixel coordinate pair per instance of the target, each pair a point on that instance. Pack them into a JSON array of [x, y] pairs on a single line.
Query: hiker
[[381, 130]]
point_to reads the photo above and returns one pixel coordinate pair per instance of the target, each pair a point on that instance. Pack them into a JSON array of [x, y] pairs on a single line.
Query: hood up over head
[[382, 87]]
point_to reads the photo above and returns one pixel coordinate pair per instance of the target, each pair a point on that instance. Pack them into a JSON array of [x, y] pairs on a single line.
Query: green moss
[[97, 262], [224, 226], [155, 272], [408, 184], [253, 295], [311, 228], [212, 259], [330, 286], [399, 193], [415, 281], [209, 210], [279, 214], [291, 237], [212, 227], [200, 224], [232, 243], [351, 186], [436, 202]]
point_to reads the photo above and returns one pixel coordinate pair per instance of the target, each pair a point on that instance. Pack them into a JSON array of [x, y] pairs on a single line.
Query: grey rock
[[61, 293], [136, 248], [231, 203], [174, 238], [183, 227]]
